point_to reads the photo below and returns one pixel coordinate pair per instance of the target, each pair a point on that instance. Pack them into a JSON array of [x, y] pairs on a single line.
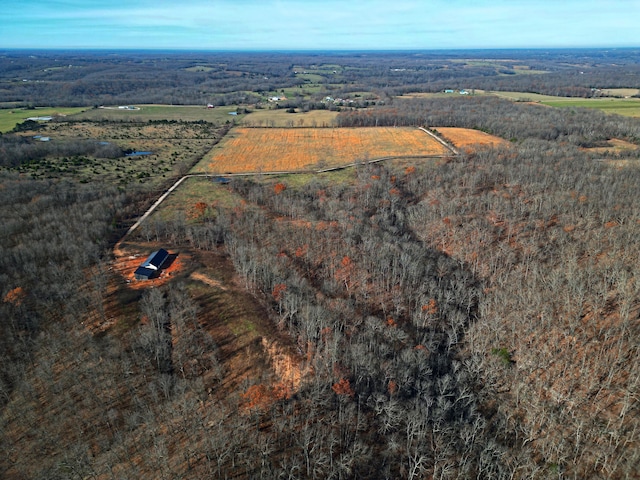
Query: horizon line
[[313, 50]]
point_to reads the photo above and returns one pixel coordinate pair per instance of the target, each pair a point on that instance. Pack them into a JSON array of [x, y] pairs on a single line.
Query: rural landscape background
[[382, 265]]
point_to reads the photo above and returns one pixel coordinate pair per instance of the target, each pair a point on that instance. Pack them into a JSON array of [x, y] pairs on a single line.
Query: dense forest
[[471, 316]]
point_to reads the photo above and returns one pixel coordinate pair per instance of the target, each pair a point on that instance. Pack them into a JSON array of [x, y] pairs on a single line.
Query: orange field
[[466, 137], [285, 149]]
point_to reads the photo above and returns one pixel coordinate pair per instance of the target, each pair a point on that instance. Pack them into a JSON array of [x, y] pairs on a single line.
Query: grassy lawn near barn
[[10, 117]]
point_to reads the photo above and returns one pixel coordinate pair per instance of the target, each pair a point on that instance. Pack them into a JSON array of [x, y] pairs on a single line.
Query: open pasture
[[10, 117], [466, 137], [145, 113], [291, 149], [629, 107]]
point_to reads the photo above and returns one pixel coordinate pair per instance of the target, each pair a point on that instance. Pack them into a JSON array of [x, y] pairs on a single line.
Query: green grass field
[[181, 203], [302, 180], [280, 118], [311, 77], [199, 68], [629, 107], [189, 113], [10, 117]]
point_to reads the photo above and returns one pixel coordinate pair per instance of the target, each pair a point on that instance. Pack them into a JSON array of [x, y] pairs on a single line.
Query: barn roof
[[155, 260], [143, 272]]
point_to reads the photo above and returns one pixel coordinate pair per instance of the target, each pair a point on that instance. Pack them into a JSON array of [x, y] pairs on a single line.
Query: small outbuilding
[[221, 180], [152, 265]]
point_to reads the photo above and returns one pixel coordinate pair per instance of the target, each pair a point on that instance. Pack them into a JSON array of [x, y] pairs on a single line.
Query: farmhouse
[[152, 265]]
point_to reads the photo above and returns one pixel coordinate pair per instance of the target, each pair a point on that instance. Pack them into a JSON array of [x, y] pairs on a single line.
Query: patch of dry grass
[[281, 118], [282, 149], [467, 137]]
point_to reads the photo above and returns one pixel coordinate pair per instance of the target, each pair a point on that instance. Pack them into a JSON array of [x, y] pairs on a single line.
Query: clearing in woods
[[246, 150], [467, 137]]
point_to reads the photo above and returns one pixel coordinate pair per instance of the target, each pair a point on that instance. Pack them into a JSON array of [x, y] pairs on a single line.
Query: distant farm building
[[152, 265], [40, 119]]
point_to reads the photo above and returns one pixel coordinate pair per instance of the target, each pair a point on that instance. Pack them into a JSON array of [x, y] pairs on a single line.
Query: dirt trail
[[438, 139], [207, 280]]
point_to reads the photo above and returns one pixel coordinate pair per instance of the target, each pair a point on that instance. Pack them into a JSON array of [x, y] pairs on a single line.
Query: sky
[[318, 24]]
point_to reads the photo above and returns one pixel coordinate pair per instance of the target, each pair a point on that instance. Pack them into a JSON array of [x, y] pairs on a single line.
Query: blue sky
[[318, 24]]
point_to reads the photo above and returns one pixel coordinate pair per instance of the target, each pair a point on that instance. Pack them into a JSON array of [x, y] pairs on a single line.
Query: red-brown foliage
[[430, 308], [278, 291], [15, 296], [257, 396], [393, 387], [201, 207], [343, 387]]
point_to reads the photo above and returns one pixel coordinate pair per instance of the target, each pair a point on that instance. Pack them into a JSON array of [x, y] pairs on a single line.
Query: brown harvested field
[[467, 137], [290, 149]]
